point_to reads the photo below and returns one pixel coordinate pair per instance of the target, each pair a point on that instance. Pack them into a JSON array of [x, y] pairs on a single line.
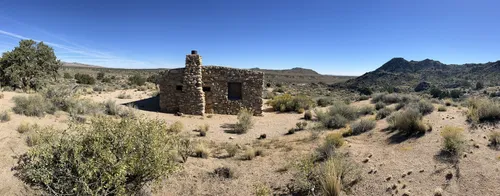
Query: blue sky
[[331, 37]]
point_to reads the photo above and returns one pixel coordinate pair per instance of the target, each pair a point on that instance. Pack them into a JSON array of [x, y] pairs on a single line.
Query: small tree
[[28, 65]]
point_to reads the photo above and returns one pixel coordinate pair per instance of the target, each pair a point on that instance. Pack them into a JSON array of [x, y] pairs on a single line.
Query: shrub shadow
[[151, 104], [446, 157], [400, 136], [229, 128]]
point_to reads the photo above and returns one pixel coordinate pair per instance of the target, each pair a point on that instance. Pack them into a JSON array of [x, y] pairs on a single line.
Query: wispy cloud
[[81, 54]]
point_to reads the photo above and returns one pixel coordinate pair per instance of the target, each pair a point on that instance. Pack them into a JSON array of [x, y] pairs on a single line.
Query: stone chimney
[[194, 97]]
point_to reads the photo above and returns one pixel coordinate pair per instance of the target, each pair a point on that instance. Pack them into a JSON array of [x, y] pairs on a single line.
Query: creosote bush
[[482, 110], [384, 112], [289, 103], [494, 138], [245, 121], [361, 126], [337, 116], [32, 105], [408, 121], [4, 116], [105, 157], [454, 141]]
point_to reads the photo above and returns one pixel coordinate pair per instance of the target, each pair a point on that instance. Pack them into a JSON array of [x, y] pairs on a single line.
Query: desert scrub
[[299, 126], [249, 154], [2, 95], [483, 110], [245, 121], [4, 116], [32, 105], [442, 108], [494, 138], [408, 121], [132, 152], [288, 103], [113, 109], [231, 149], [224, 172], [323, 102], [423, 106], [382, 113], [203, 129], [361, 126], [454, 141], [337, 116], [262, 190], [25, 127], [124, 96], [308, 115], [327, 148], [379, 105], [386, 98], [366, 110], [202, 151], [176, 127]]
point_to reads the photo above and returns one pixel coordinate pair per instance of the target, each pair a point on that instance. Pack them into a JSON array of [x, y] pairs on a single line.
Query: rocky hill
[[406, 75]]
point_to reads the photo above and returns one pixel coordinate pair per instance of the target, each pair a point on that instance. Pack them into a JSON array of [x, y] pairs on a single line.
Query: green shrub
[[423, 106], [4, 116], [106, 80], [494, 138], [245, 121], [84, 79], [107, 156], [382, 113], [454, 141], [408, 121], [379, 105], [288, 103], [337, 116], [362, 126], [442, 108], [231, 149], [323, 102], [482, 110], [100, 76], [327, 149], [32, 105], [67, 75], [308, 115], [137, 80], [366, 110]]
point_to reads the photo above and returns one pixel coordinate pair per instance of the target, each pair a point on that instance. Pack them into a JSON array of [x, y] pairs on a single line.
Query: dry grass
[[332, 141], [483, 109], [245, 121], [494, 138], [408, 121], [202, 151], [454, 142], [330, 180], [249, 154]]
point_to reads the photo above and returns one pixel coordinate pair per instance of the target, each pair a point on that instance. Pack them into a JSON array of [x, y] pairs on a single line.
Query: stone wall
[[198, 90], [252, 84]]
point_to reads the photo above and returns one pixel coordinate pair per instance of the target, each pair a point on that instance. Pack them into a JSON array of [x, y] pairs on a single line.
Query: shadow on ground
[[151, 104], [400, 136]]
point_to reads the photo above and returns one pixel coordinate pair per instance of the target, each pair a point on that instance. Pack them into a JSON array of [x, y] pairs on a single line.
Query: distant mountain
[[398, 72], [293, 71], [74, 64]]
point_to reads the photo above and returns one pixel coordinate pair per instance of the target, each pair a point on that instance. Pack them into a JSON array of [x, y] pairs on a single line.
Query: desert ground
[[388, 164]]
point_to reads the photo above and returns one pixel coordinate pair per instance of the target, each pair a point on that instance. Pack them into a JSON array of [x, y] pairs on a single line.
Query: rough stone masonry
[[198, 90]]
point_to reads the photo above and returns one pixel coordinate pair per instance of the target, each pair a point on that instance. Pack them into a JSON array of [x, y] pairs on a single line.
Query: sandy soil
[[412, 164]]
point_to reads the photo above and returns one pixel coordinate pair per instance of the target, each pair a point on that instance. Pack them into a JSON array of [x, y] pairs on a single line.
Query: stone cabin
[[199, 90]]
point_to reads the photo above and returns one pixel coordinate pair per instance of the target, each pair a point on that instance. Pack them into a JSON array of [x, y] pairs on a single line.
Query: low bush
[[124, 96], [308, 115], [84, 79], [408, 121], [423, 106], [382, 113], [262, 190], [288, 103], [231, 149], [100, 75], [327, 149], [32, 105], [67, 75], [203, 129], [106, 80], [399, 106], [323, 102], [482, 110], [224, 172], [337, 116], [494, 138], [245, 121], [201, 151], [366, 110], [4, 116], [249, 154], [1, 95], [137, 80], [454, 141], [361, 126], [113, 109], [130, 154], [26, 127], [363, 97], [442, 108], [301, 125], [386, 98], [379, 105]]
